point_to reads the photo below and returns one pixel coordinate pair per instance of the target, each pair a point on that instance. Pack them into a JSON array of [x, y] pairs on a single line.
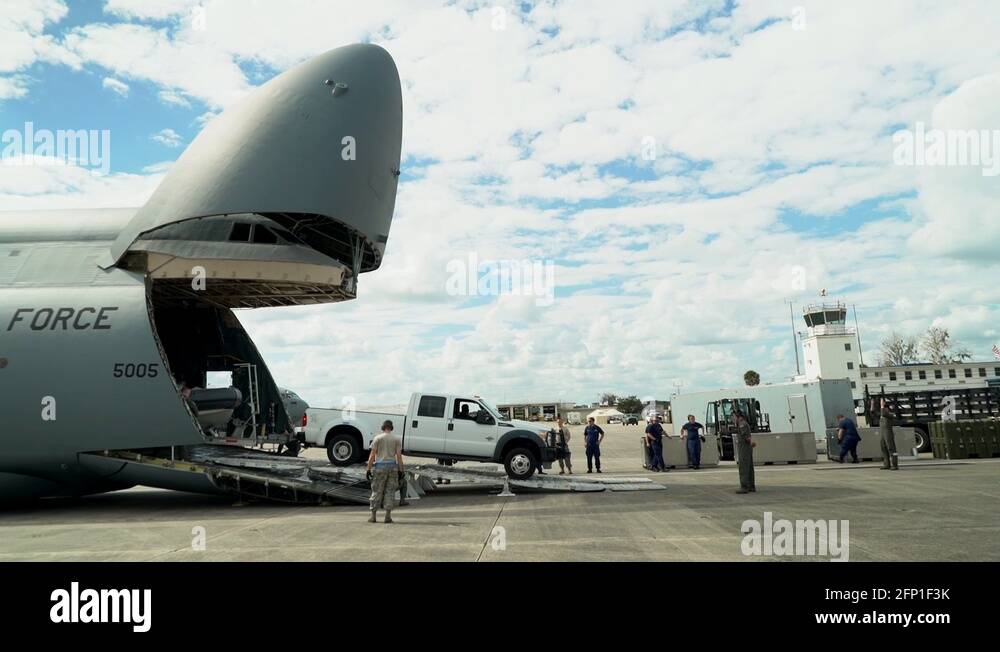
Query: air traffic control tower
[[830, 348]]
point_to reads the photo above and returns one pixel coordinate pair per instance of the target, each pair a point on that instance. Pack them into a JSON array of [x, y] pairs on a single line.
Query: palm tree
[[751, 378]]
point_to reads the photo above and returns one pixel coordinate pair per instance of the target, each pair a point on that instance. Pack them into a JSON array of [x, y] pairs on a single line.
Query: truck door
[[472, 430], [427, 429], [798, 414]]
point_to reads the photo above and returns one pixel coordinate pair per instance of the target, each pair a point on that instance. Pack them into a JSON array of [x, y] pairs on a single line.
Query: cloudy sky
[[685, 168]]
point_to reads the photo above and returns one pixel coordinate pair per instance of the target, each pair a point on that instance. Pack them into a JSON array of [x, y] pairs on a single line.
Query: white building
[[918, 376], [535, 410], [831, 350]]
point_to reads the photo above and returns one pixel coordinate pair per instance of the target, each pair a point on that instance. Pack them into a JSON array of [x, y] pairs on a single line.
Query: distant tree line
[[934, 347], [624, 404]]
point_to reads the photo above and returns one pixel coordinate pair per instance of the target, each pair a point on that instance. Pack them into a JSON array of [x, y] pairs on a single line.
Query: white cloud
[[167, 138], [174, 98], [961, 205], [118, 87], [141, 52], [55, 187], [150, 9], [22, 42], [534, 137], [13, 87], [205, 118]]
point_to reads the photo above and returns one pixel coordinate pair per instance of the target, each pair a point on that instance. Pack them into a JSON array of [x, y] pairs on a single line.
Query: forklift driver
[[463, 410]]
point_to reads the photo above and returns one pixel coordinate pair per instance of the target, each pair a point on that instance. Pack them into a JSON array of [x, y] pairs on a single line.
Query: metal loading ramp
[[234, 470], [256, 474], [495, 478], [349, 482], [248, 473]]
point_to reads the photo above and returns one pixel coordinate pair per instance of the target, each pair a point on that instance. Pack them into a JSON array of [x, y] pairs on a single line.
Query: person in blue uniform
[[655, 435], [690, 431], [593, 435], [848, 436]]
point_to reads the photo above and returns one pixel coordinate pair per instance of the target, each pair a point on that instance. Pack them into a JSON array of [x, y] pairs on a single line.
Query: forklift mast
[[720, 419], [721, 416]]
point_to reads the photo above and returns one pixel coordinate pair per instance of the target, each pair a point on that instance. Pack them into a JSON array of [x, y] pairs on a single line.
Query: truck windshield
[[491, 409]]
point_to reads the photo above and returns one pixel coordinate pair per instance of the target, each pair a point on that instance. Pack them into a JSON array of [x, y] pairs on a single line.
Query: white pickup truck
[[438, 426]]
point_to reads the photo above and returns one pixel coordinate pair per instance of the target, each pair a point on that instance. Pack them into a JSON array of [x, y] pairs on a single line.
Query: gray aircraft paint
[[280, 151], [276, 152]]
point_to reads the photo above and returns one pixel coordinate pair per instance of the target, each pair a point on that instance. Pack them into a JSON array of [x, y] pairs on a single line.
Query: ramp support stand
[[506, 493]]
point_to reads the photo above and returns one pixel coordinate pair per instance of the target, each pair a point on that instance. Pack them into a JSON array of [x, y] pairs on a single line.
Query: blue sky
[[773, 163]]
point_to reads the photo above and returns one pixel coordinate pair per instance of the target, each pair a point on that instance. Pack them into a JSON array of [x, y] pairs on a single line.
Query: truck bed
[[927, 406]]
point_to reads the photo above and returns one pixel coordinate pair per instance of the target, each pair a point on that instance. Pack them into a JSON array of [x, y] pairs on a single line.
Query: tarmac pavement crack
[[489, 534], [222, 534]]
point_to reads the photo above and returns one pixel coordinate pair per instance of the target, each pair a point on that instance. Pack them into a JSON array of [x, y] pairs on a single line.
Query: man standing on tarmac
[[387, 458], [691, 428], [890, 459], [654, 436], [593, 435], [744, 454], [847, 434], [562, 441]]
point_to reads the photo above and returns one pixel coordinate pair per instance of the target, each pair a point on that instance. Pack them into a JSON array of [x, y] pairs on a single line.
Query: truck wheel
[[520, 463], [922, 440], [343, 450]]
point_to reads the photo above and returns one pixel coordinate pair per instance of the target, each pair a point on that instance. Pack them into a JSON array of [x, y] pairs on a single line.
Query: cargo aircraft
[[107, 317]]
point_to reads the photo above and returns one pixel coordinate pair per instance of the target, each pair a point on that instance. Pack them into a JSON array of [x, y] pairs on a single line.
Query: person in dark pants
[[890, 459], [562, 441], [593, 436], [744, 454], [847, 435], [549, 441], [690, 429], [384, 471], [444, 462], [655, 435]]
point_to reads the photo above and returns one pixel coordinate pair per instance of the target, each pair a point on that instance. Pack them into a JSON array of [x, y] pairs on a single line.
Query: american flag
[[996, 352]]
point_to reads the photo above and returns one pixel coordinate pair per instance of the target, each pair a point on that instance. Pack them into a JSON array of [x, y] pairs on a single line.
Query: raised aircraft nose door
[[316, 149]]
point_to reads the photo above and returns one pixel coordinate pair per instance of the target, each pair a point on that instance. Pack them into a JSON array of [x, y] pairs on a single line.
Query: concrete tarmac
[[928, 511]]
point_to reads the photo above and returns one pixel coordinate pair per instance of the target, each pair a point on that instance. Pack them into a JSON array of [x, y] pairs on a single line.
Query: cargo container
[[810, 406]]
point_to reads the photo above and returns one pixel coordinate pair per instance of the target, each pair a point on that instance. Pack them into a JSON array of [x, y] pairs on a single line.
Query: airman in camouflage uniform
[[744, 454], [890, 459], [387, 459]]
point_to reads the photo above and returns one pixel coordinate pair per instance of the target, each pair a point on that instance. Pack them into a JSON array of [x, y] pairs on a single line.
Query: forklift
[[720, 419]]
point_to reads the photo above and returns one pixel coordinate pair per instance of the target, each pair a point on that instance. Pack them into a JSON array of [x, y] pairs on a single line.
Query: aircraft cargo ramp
[[252, 474], [547, 482]]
